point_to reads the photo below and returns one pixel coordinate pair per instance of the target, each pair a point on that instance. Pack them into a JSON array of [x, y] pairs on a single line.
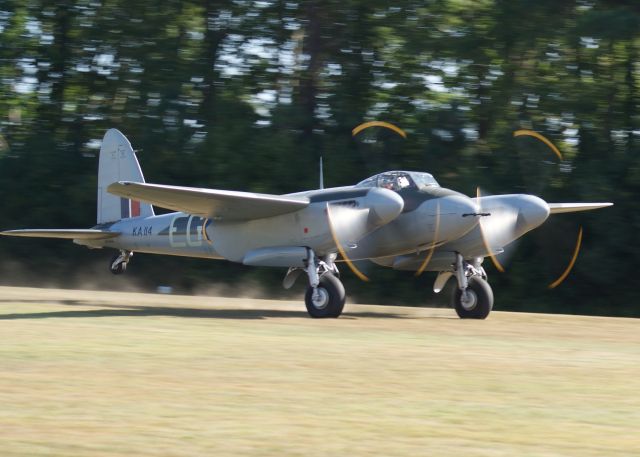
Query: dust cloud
[[95, 276]]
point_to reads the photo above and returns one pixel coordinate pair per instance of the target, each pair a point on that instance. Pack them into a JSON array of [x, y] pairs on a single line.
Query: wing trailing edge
[[210, 203], [72, 234], [557, 208]]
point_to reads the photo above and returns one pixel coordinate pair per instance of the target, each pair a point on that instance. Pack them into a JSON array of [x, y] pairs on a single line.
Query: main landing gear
[[473, 298], [119, 262], [325, 295]]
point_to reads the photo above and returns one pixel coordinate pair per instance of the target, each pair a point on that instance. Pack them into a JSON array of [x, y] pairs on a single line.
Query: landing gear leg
[[325, 295], [119, 262], [473, 298]]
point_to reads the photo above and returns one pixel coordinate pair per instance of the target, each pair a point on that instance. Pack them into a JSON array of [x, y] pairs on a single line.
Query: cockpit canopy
[[399, 180]]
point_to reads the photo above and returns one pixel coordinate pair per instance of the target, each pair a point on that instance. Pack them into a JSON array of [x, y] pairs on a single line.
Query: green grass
[[108, 374]]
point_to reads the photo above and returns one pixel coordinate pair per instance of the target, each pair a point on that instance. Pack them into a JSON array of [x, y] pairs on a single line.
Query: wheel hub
[[468, 299], [320, 298]]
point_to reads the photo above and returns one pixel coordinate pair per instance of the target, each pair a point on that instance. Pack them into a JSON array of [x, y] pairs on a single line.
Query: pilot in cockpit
[[387, 183], [394, 182]]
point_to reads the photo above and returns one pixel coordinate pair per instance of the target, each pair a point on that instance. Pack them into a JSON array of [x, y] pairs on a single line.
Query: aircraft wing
[[210, 203], [556, 208], [77, 234]]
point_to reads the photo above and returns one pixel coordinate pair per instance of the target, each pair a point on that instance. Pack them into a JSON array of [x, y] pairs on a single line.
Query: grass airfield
[[121, 374]]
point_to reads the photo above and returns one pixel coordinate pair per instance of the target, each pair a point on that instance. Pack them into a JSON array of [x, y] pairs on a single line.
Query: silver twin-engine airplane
[[398, 219]]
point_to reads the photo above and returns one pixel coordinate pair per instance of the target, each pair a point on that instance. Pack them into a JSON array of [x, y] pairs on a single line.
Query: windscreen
[[424, 179], [399, 180]]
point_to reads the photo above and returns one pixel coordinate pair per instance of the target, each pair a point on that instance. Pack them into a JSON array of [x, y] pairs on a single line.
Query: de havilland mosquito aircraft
[[399, 219]]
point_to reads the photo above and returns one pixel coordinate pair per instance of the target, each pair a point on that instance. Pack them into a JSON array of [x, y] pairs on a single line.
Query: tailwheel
[[476, 301], [118, 264], [327, 299]]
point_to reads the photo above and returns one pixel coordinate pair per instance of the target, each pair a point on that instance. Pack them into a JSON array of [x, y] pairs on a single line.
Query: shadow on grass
[[108, 310]]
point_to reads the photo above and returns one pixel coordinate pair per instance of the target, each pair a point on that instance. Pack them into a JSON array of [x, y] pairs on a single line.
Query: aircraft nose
[[533, 211], [385, 205]]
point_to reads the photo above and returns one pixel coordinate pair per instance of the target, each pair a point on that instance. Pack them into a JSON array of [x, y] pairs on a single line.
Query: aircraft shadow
[[107, 310]]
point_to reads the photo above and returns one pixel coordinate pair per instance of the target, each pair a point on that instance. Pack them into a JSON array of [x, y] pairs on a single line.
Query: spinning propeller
[[572, 261], [502, 224], [497, 225], [345, 224], [386, 125], [432, 249]]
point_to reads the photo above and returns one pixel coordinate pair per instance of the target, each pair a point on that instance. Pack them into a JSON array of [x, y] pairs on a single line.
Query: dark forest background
[[246, 95]]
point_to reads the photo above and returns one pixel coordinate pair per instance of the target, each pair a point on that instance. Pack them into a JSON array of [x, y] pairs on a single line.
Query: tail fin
[[118, 162]]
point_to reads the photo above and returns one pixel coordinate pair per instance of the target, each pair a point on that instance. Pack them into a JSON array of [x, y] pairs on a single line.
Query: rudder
[[118, 162]]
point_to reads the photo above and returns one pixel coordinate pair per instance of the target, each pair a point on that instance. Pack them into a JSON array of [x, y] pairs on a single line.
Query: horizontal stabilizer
[[78, 234], [210, 203], [556, 208]]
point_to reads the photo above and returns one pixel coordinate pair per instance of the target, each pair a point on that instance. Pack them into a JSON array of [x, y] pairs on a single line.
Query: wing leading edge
[[74, 234], [556, 208], [210, 203]]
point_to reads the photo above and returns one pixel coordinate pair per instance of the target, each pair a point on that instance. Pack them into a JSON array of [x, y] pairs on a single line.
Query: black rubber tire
[[336, 297], [484, 300], [120, 268]]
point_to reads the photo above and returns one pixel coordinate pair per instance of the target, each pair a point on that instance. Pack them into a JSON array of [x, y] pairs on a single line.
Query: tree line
[[247, 95]]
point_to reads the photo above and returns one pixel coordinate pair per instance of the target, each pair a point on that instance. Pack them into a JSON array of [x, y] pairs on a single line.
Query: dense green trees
[[247, 95]]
